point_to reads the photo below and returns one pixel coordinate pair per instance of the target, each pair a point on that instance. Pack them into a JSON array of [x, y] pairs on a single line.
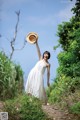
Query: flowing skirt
[[35, 84]]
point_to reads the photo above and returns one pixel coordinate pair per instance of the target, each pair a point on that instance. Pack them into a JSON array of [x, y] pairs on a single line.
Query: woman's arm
[[38, 50], [48, 75]]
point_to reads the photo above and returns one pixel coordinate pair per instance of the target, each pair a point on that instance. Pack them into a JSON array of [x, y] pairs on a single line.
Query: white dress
[[35, 82]]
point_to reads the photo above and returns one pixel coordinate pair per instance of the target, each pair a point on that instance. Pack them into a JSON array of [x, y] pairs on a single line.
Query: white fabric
[[35, 83]]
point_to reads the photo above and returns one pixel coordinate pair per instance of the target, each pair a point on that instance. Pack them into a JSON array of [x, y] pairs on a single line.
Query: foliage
[[69, 64], [11, 78], [19, 78], [67, 81], [24, 108], [75, 108], [64, 86], [76, 10], [69, 40], [69, 58]]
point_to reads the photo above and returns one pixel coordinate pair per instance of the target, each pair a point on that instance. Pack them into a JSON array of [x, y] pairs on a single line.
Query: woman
[[35, 84]]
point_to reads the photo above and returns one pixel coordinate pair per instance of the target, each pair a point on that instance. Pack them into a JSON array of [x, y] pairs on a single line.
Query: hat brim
[[32, 37]]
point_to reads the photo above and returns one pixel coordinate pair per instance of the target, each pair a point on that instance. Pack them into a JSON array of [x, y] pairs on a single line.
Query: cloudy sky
[[40, 16]]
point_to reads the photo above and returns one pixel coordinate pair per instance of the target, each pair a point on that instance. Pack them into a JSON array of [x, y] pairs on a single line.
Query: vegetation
[[18, 105], [76, 108], [11, 78], [24, 108], [65, 90]]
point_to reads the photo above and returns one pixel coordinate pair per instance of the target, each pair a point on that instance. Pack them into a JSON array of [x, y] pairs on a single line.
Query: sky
[[40, 16]]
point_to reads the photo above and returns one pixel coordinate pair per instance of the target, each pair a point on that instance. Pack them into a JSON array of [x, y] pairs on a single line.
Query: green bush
[[24, 108], [62, 87], [75, 108], [11, 78], [69, 64]]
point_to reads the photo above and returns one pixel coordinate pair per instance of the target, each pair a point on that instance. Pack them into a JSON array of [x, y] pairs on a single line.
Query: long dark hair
[[48, 53]]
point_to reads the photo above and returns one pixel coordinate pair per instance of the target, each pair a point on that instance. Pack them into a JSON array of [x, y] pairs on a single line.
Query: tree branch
[[15, 35]]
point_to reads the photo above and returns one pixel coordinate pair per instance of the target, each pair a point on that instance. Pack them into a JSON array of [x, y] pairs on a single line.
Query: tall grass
[[63, 87], [24, 108], [11, 78]]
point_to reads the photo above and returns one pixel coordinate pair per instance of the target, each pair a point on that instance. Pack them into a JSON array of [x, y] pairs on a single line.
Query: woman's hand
[[36, 42]]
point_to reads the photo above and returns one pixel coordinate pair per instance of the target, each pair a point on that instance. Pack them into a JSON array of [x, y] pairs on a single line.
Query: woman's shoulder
[[48, 64]]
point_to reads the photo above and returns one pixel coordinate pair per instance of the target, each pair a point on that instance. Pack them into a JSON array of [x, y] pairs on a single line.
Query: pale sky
[[40, 16]]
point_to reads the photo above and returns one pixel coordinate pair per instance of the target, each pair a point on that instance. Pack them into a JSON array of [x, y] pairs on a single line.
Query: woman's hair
[[48, 53]]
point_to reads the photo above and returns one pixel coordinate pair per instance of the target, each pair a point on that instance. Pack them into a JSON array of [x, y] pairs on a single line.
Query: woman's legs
[[29, 94], [45, 98]]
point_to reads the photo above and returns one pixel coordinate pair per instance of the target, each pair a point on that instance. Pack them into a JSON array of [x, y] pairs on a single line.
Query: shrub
[[75, 108], [63, 87], [24, 108], [11, 78]]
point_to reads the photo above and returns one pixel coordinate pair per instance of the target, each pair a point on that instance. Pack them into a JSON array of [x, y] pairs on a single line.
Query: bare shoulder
[[48, 64]]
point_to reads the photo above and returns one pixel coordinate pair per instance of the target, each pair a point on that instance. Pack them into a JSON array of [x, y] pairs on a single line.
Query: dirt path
[[56, 114]]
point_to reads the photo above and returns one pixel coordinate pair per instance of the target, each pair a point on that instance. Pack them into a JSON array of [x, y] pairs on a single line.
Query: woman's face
[[45, 56]]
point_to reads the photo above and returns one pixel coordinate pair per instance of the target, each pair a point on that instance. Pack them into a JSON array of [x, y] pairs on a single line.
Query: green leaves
[[65, 91], [63, 87], [69, 40], [69, 64], [76, 10], [11, 78], [75, 108], [24, 108]]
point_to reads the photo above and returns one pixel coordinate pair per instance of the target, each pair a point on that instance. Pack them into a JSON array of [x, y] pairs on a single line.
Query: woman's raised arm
[[38, 50]]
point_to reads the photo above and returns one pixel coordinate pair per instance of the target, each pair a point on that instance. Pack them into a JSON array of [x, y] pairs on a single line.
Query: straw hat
[[32, 37]]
